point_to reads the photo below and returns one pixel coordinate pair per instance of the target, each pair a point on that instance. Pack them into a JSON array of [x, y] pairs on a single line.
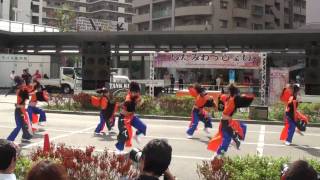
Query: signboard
[[84, 24], [279, 78], [149, 82], [214, 60]]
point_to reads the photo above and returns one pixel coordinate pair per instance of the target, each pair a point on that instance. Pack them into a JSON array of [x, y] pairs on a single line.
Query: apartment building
[[28, 11], [96, 15], [91, 15], [218, 15]]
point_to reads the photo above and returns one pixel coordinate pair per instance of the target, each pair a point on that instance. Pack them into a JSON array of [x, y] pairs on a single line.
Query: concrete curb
[[92, 113]]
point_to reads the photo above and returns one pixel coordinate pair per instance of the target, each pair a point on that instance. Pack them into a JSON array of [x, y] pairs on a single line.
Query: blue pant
[[225, 142], [35, 110], [195, 121], [101, 123], [292, 128], [141, 129], [20, 124]]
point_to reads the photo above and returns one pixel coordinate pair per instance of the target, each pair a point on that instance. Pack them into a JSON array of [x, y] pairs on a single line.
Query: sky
[[313, 11]]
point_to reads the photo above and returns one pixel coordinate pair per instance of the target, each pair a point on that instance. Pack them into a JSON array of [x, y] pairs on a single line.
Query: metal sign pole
[[263, 84], [151, 86]]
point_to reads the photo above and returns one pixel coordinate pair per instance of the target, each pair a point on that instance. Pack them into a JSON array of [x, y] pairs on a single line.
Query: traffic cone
[[46, 143]]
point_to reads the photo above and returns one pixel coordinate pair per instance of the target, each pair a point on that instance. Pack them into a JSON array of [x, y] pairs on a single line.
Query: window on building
[[223, 23], [277, 5], [241, 4], [223, 4], [257, 11], [277, 21], [268, 10], [240, 22], [257, 26]]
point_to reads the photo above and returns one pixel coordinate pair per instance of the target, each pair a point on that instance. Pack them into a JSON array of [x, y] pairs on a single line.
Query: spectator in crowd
[[167, 81], [180, 82], [299, 170], [26, 76], [219, 82], [37, 75], [8, 158], [173, 80], [11, 76], [155, 160], [45, 76], [47, 170]]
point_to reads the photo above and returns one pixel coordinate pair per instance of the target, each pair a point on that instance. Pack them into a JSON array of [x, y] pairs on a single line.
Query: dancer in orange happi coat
[[230, 128], [200, 111], [21, 116], [293, 118], [128, 119], [108, 110]]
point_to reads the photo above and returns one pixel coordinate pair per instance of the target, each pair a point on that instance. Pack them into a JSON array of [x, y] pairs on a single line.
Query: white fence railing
[[14, 26]]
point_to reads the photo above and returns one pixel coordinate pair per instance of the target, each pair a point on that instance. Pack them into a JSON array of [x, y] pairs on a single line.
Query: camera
[[135, 155], [102, 90]]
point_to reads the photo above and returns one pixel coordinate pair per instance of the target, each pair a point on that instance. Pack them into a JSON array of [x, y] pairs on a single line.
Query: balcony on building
[[193, 23], [241, 13], [193, 10], [139, 3]]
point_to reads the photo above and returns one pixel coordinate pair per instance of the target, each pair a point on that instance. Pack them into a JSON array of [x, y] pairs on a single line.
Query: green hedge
[[172, 106], [246, 168]]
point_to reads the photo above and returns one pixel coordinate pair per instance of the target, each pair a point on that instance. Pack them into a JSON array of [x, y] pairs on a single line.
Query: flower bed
[[80, 164], [172, 106], [245, 168]]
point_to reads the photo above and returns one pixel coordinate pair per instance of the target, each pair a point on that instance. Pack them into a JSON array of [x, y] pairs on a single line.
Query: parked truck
[[71, 80]]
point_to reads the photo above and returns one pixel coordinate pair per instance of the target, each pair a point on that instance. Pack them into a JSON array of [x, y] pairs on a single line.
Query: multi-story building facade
[[102, 13], [105, 14], [218, 15], [28, 11]]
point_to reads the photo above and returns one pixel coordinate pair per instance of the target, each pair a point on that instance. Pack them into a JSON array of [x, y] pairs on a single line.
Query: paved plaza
[[77, 131]]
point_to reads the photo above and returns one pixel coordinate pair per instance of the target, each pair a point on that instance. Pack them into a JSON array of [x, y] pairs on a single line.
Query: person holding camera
[[128, 119], [299, 170], [154, 160], [108, 109]]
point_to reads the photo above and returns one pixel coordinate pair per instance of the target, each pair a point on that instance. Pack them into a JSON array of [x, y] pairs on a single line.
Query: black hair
[[157, 156], [18, 80], [301, 170], [295, 89], [233, 90], [198, 88], [7, 153], [134, 87]]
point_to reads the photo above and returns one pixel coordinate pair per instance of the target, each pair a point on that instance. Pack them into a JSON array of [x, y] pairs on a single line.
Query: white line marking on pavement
[[261, 141], [58, 137]]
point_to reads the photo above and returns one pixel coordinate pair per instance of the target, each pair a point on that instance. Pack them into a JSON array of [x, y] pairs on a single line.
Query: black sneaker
[[237, 141]]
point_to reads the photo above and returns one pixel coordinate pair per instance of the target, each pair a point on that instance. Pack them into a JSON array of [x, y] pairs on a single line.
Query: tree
[[65, 18]]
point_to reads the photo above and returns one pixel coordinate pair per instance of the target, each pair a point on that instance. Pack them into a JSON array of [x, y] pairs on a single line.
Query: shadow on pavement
[[310, 150]]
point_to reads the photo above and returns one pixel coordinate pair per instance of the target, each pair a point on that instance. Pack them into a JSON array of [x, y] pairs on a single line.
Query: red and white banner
[[279, 78], [215, 60]]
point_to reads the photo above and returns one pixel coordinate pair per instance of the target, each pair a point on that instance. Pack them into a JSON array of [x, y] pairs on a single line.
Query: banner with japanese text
[[214, 60]]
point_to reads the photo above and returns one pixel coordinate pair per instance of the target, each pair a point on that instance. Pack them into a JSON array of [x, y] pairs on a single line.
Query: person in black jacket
[[155, 160]]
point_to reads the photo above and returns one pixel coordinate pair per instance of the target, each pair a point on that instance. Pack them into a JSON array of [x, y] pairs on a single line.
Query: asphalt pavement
[[77, 131]]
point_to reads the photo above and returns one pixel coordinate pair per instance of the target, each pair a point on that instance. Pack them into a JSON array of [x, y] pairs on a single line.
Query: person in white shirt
[[8, 158], [11, 76]]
